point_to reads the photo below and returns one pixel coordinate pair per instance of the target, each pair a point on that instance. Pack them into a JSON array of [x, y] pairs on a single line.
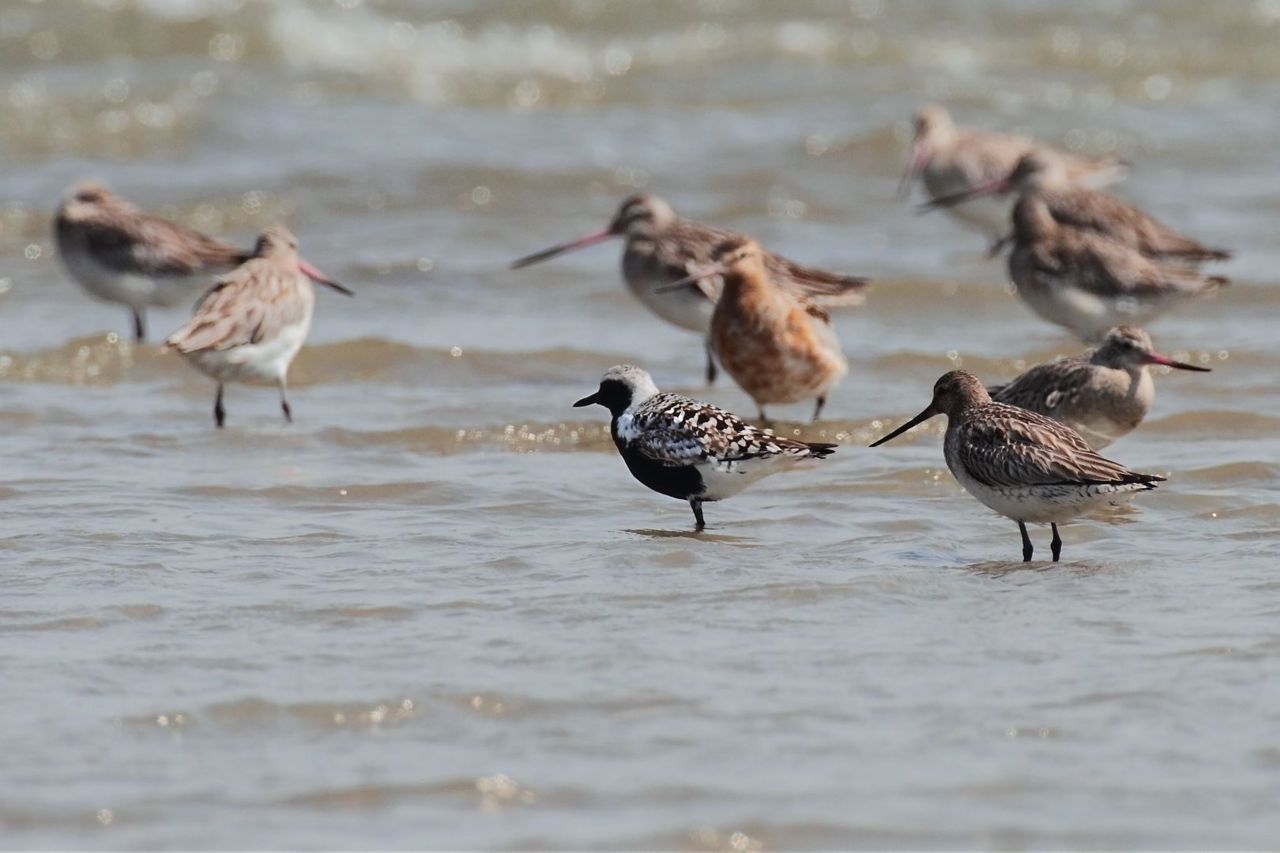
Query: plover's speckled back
[[1088, 282], [1102, 394], [952, 160], [687, 449], [249, 326], [1081, 207], [120, 254], [662, 248], [1023, 465]]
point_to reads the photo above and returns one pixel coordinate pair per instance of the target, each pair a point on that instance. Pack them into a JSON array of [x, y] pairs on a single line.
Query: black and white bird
[[687, 449]]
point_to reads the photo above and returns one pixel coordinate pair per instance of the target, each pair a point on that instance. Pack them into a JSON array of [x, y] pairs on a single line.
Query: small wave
[[490, 793]]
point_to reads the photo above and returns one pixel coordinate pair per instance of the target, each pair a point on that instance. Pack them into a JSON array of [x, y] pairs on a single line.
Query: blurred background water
[[436, 611]]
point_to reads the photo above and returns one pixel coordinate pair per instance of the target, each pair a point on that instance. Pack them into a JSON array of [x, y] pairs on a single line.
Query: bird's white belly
[[1089, 315], [132, 290], [686, 307], [1044, 504], [263, 363], [725, 479]]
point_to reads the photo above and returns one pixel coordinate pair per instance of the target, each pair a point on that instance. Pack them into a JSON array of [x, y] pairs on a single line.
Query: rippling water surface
[[436, 611]]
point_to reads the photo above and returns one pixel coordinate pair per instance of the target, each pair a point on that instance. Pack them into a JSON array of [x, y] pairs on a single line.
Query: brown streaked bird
[[120, 254], [662, 248], [1103, 394], [953, 160], [1091, 210], [249, 326], [1088, 282], [1025, 466], [776, 344]]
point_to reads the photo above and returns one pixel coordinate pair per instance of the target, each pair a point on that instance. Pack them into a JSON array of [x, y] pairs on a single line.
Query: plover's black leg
[[219, 413], [139, 326], [711, 364], [1027, 550], [696, 505], [817, 410], [1056, 544]]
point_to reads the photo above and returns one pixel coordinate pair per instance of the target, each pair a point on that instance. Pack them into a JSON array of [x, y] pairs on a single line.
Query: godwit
[[1026, 467], [1102, 394], [687, 449], [1092, 210], [662, 248], [122, 255], [252, 322], [953, 160], [778, 346], [1087, 282]]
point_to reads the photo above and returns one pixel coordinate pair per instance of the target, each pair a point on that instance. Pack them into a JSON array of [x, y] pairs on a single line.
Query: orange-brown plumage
[[777, 346]]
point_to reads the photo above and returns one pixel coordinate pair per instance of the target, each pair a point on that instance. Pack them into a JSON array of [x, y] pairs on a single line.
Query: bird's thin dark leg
[[998, 244], [139, 326], [1056, 543], [711, 364], [284, 403], [219, 413], [699, 522], [1027, 550], [764, 419], [817, 410]]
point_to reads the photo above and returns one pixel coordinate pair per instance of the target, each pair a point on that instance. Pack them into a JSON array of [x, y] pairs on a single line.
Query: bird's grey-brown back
[[253, 302], [951, 160], [662, 247], [1080, 206], [1089, 282], [120, 254], [1103, 393]]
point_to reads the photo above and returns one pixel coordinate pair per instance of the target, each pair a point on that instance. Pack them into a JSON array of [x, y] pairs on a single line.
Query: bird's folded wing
[[1107, 267], [673, 448], [240, 309], [147, 246], [1045, 386], [824, 288], [1025, 449]]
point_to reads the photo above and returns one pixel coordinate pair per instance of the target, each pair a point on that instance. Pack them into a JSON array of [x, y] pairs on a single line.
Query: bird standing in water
[[120, 254], [1088, 209], [662, 248], [953, 160], [1025, 466], [249, 326], [779, 347], [1102, 394], [1088, 282], [687, 449]]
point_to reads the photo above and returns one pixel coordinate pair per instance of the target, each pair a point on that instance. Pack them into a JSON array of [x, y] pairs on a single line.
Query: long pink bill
[[917, 420], [694, 278], [559, 249], [320, 278], [915, 165], [996, 185], [1157, 358]]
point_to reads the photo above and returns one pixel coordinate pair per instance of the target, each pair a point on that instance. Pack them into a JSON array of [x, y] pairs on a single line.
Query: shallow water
[[436, 611]]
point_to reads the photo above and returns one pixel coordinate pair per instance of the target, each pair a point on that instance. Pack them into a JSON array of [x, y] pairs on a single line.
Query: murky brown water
[[436, 612]]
